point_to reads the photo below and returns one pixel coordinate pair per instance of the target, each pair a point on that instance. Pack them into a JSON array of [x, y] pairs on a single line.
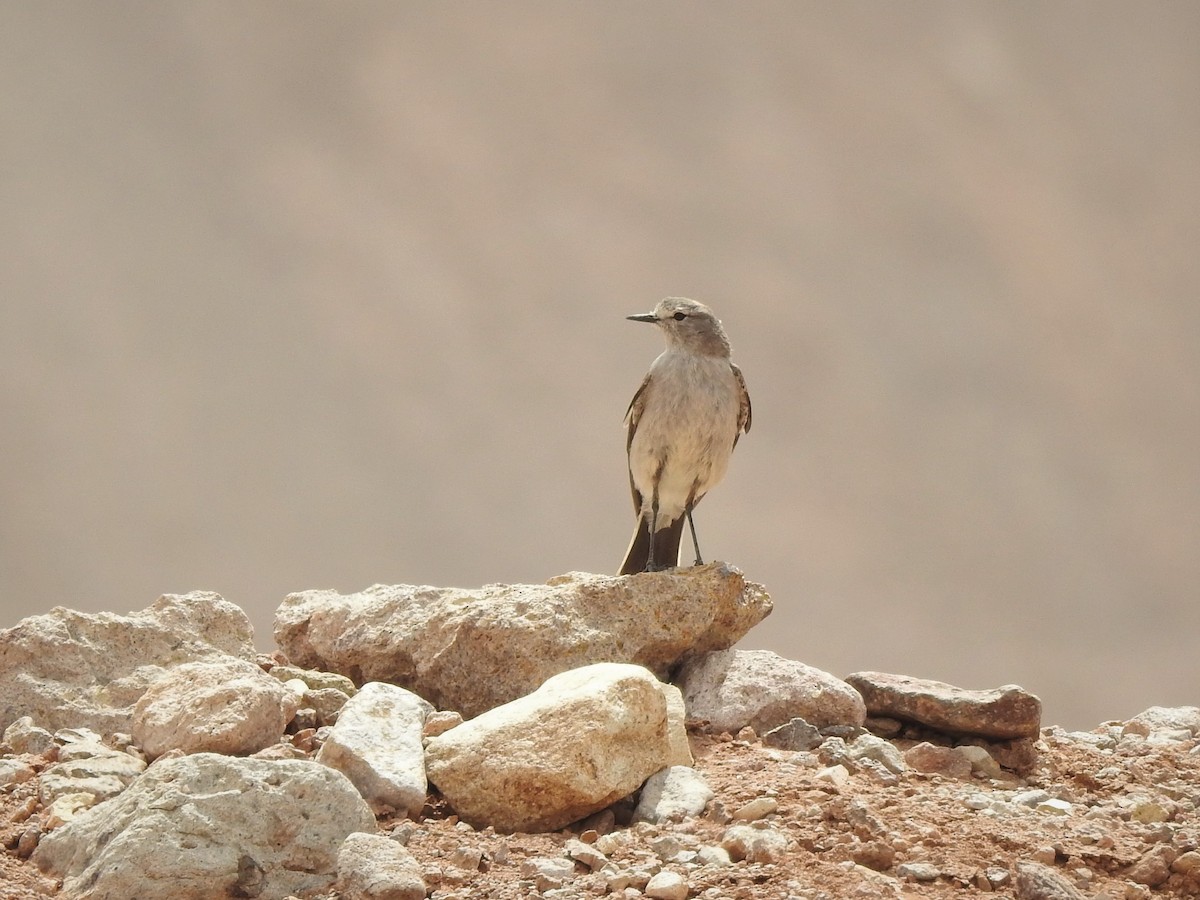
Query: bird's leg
[[695, 543], [650, 567]]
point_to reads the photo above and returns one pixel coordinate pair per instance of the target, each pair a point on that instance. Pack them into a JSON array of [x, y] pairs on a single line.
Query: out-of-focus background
[[301, 295]]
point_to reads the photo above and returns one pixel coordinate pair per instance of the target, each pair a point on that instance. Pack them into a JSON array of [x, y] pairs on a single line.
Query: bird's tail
[[666, 547]]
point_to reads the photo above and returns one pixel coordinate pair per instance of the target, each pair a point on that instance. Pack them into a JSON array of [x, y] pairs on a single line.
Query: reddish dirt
[[839, 837]]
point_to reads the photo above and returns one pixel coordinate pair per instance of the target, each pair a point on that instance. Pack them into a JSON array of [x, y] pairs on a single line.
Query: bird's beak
[[643, 317]]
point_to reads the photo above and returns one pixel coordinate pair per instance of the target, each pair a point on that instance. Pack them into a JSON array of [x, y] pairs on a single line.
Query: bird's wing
[[743, 404], [632, 416]]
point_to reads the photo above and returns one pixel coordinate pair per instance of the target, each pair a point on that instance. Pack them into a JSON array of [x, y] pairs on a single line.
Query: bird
[[681, 428]]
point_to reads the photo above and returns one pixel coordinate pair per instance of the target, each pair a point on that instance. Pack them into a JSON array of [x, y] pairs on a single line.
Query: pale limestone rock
[[471, 650], [547, 873], [377, 744], [833, 778], [441, 721], [314, 679], [65, 808], [982, 762], [734, 688], [1165, 718], [374, 867], [667, 885], [204, 826], [583, 740], [327, 703], [1036, 881], [869, 746], [755, 843], [918, 871], [588, 854], [228, 706], [796, 734], [681, 749], [23, 736], [934, 760], [672, 794], [1005, 712], [15, 771], [89, 767], [68, 669], [758, 808]]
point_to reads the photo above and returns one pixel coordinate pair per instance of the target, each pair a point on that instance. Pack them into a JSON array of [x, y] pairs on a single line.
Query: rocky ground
[[1114, 813]]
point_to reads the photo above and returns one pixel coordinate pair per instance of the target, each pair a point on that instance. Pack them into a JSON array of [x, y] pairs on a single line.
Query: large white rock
[[228, 706], [69, 669], [471, 650], [206, 826], [734, 688], [583, 740], [377, 743]]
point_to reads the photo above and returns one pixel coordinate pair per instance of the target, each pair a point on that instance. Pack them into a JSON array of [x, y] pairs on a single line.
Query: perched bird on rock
[[682, 426]]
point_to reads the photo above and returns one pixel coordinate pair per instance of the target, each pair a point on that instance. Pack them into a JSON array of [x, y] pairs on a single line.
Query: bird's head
[[688, 325]]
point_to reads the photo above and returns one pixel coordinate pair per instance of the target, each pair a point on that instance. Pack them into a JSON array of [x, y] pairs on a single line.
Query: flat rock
[[89, 767], [1165, 718], [934, 760], [67, 669], [471, 650], [583, 740], [1003, 713], [735, 688], [374, 867], [795, 734], [228, 706], [206, 826], [377, 743], [755, 844]]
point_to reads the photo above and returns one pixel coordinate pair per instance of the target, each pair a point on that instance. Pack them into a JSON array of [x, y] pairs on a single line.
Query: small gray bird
[[682, 426]]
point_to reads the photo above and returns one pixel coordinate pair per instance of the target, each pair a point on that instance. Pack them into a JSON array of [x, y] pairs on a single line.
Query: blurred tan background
[[299, 295]]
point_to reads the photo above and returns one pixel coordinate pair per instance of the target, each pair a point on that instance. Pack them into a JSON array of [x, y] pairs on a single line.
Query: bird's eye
[[679, 317]]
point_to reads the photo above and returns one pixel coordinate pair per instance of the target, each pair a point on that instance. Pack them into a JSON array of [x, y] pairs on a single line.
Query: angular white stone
[[735, 688], [23, 736], [870, 746], [667, 885], [228, 706], [204, 826], [755, 844], [1165, 718], [89, 767], [68, 669], [374, 867], [672, 794], [377, 744]]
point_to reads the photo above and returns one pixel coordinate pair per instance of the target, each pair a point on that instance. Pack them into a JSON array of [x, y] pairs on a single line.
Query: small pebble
[[756, 809], [918, 871], [1045, 855], [832, 778]]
